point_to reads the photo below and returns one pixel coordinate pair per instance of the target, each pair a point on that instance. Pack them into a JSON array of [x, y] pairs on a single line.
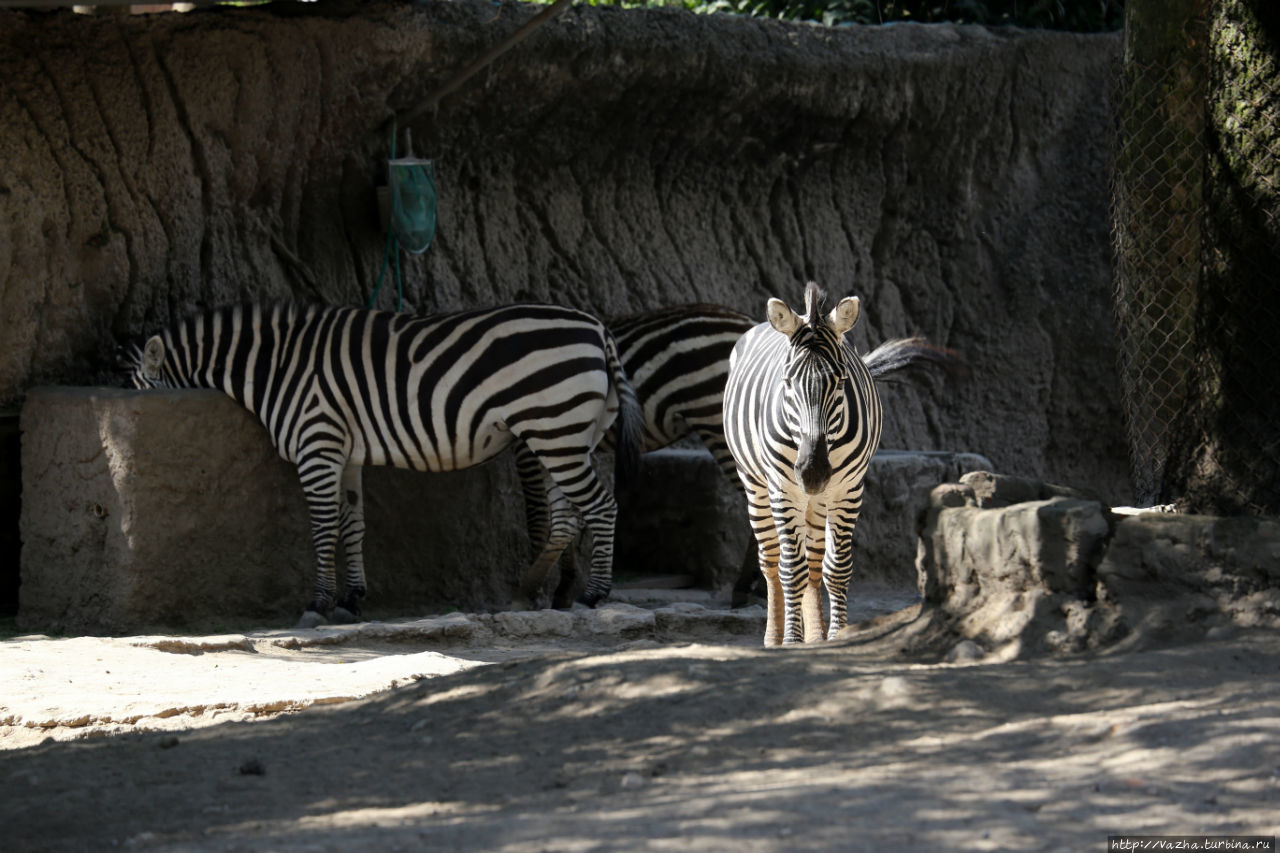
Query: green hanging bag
[[412, 182], [411, 225]]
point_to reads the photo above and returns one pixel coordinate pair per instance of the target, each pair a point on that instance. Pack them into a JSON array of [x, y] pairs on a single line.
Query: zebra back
[[677, 360], [430, 393]]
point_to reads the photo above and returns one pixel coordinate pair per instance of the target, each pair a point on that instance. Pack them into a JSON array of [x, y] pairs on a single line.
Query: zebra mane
[[815, 300]]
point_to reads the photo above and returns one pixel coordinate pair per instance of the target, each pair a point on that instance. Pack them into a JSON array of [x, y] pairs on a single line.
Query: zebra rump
[[339, 388], [677, 360]]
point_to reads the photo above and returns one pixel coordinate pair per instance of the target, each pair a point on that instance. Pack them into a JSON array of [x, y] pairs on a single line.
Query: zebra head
[[814, 400], [147, 364]]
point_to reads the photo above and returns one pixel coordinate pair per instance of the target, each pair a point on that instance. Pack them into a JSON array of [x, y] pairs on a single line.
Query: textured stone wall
[[954, 177]]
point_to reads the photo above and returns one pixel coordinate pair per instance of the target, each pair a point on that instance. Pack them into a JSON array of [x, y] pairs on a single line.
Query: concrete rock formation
[[1058, 573]]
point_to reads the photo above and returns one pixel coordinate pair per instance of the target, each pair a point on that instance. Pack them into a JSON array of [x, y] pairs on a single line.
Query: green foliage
[[1075, 15]]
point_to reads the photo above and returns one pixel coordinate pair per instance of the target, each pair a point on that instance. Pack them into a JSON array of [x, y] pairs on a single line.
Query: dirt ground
[[625, 737]]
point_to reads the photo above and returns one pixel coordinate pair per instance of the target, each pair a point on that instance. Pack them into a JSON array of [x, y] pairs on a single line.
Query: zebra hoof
[[591, 599], [311, 619], [343, 616]]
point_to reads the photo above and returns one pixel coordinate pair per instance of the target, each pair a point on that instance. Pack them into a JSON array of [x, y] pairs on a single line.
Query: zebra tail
[[629, 428], [912, 353]]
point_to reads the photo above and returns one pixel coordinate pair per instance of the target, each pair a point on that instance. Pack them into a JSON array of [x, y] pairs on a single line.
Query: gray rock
[[534, 623], [1065, 575], [674, 621], [965, 651], [622, 621], [1194, 572]]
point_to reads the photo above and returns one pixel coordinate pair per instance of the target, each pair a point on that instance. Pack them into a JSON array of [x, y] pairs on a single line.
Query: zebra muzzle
[[813, 464]]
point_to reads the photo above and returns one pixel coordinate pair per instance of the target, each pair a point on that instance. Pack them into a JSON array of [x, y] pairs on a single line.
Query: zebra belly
[[489, 441]]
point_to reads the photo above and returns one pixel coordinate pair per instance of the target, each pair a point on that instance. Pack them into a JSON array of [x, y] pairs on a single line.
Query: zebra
[[340, 388], [802, 420], [677, 360]]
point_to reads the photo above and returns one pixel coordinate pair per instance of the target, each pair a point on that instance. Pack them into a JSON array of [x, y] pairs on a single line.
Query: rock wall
[[954, 177], [1013, 568]]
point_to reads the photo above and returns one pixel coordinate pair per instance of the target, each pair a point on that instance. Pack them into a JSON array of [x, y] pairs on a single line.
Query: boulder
[[1170, 574], [1064, 573]]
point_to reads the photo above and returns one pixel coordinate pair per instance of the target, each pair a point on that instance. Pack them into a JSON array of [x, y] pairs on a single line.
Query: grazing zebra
[[677, 360], [802, 420], [340, 388]]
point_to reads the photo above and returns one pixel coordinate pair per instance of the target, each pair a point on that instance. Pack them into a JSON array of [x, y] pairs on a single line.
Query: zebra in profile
[[802, 420], [677, 360], [341, 388]]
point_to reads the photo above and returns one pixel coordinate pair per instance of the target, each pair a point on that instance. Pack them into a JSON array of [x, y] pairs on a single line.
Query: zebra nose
[[813, 465]]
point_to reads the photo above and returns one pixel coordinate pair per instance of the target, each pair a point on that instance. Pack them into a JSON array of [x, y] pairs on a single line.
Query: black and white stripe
[[802, 420], [340, 388], [677, 360]]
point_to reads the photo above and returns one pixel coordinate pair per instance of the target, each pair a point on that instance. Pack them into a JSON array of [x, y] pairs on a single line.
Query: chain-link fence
[[1197, 239]]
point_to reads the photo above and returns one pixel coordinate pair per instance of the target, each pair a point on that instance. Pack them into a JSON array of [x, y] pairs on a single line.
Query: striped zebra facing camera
[[802, 419], [341, 388]]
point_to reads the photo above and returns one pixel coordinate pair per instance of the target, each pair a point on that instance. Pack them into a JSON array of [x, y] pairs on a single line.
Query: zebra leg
[[815, 627], [576, 481], [837, 568], [321, 478], [534, 485], [564, 526], [793, 569], [599, 512], [351, 525], [548, 515]]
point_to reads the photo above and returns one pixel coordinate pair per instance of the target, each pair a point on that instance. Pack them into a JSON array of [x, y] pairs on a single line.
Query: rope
[[392, 249]]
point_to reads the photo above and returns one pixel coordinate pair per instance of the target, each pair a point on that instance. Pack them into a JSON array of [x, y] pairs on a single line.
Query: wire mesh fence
[[1196, 230]]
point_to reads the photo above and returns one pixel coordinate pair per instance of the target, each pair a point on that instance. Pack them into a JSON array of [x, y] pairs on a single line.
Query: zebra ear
[[782, 318], [843, 317], [153, 356]]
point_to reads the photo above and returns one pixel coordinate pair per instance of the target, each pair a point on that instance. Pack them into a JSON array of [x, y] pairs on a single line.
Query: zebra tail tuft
[[912, 353], [629, 428]]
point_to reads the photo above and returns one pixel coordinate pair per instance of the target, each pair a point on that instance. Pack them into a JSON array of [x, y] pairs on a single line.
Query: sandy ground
[[610, 735]]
